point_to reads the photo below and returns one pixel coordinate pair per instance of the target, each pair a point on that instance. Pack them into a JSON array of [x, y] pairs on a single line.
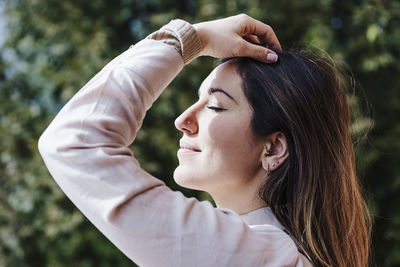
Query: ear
[[275, 152]]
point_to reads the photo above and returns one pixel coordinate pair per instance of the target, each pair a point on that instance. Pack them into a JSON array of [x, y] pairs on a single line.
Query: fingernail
[[272, 57]]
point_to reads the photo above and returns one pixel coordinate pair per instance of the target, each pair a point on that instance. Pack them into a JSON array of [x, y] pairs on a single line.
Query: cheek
[[231, 135], [235, 154], [221, 132]]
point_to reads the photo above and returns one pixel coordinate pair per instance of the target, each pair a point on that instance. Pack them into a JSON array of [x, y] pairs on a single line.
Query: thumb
[[259, 53]]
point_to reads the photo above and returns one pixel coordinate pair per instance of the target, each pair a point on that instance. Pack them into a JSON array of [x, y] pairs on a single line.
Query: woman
[[269, 142]]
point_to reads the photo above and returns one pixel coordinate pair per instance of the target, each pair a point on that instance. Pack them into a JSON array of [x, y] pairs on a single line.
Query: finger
[[264, 33], [252, 38], [258, 52]]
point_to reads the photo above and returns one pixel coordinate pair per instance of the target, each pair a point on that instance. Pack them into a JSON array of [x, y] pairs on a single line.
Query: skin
[[219, 153], [238, 36]]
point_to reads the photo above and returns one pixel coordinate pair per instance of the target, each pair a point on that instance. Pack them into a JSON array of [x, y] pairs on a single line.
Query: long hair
[[315, 193]]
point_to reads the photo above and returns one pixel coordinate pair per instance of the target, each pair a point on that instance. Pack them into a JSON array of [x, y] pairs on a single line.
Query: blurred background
[[49, 49]]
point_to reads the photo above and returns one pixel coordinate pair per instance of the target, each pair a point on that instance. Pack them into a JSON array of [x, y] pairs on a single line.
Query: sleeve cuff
[[182, 36]]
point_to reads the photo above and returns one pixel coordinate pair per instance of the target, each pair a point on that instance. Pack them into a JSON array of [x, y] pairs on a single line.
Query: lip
[[187, 148]]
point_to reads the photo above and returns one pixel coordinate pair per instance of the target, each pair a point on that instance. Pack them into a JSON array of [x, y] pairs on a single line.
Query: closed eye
[[216, 109]]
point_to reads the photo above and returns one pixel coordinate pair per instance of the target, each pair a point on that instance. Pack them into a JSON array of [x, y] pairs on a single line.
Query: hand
[[238, 36]]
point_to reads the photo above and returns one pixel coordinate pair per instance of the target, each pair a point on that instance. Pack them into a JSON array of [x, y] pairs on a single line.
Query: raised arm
[[86, 150]]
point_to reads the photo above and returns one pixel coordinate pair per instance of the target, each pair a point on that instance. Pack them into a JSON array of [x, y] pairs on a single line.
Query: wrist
[[201, 33]]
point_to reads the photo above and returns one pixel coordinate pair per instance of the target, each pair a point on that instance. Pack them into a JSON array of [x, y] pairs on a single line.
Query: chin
[[186, 177]]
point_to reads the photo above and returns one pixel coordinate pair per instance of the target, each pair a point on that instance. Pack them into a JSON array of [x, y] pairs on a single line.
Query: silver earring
[[268, 150], [273, 164], [188, 122]]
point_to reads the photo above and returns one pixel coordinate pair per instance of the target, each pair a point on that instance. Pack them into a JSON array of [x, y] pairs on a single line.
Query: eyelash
[[216, 109]]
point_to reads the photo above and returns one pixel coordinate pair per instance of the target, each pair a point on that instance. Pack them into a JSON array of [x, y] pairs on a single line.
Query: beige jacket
[[86, 151]]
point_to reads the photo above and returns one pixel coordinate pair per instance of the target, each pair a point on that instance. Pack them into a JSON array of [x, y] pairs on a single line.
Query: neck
[[242, 199]]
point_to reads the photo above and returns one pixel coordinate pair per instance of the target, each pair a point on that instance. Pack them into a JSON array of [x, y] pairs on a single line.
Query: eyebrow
[[218, 90]]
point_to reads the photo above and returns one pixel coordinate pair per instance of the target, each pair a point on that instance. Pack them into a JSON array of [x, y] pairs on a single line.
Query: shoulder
[[266, 243], [279, 244]]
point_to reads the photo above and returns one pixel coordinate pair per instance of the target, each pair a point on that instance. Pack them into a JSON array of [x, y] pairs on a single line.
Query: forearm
[[182, 36], [110, 108]]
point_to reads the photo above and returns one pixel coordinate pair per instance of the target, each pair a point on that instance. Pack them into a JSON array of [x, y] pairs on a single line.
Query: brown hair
[[315, 193]]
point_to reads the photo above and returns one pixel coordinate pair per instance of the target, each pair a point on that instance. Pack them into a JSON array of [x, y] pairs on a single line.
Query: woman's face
[[218, 150]]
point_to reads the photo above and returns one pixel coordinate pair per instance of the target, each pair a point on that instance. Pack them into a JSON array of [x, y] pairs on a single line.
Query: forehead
[[225, 77]]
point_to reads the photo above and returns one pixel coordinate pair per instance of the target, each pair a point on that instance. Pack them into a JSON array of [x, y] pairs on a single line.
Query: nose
[[187, 121]]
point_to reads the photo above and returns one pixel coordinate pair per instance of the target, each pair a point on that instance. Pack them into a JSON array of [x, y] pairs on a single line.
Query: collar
[[261, 216], [264, 215]]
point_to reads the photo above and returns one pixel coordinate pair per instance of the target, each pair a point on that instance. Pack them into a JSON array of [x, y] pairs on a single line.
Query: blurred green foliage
[[54, 47]]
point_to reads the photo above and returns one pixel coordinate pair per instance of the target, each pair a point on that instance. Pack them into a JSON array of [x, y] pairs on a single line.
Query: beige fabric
[[86, 151], [182, 36]]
